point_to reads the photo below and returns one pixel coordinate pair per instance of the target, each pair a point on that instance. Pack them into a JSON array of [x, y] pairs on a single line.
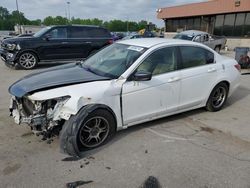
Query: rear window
[[195, 56], [88, 32], [78, 32], [99, 32], [184, 37]]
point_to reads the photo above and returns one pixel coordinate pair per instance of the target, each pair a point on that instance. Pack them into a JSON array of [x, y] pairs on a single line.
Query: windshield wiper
[[87, 68]]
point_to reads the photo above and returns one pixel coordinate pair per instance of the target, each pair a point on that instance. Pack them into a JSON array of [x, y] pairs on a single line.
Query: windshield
[[41, 32], [184, 37], [113, 60]]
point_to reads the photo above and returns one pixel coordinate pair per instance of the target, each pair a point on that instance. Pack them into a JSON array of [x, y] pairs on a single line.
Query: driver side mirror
[[141, 76], [47, 37]]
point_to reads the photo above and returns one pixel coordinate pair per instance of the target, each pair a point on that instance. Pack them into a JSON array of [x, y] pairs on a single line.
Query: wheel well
[[226, 82], [93, 107], [111, 112], [218, 46]]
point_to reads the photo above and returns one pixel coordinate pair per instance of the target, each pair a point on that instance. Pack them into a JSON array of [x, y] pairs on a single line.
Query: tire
[[87, 130], [217, 49], [27, 60], [217, 97]]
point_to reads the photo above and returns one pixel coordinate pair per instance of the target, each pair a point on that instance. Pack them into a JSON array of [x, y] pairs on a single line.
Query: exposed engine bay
[[42, 116]]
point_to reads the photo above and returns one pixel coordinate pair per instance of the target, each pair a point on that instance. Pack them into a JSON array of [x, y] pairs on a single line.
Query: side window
[[195, 56], [159, 62], [98, 32], [58, 33], [78, 32]]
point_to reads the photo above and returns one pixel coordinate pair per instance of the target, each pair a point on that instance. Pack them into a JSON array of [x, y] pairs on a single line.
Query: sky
[[132, 10]]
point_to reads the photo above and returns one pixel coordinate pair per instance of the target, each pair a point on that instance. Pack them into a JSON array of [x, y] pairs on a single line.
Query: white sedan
[[126, 83]]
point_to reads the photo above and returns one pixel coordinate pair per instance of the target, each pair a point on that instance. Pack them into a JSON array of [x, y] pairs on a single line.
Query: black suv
[[53, 44]]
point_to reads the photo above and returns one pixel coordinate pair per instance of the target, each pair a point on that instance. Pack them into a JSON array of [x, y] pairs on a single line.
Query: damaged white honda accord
[[126, 83]]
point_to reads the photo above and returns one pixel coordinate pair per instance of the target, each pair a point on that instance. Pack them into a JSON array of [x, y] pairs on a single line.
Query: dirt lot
[[195, 149]]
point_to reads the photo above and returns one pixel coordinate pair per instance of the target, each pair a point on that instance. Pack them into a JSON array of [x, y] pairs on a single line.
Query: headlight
[[11, 46]]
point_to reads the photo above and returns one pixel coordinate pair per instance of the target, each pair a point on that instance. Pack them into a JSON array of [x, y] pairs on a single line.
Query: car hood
[[17, 39], [52, 78]]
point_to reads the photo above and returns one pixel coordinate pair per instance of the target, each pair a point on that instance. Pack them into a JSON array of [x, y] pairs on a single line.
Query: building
[[26, 29], [229, 18]]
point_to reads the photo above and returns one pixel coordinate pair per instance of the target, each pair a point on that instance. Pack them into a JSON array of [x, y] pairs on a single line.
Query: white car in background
[[127, 83]]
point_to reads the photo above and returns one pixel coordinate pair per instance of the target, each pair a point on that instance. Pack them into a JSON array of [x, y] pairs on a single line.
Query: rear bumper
[[234, 85], [8, 57]]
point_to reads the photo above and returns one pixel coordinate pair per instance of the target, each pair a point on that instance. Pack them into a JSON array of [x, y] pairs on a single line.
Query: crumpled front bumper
[[16, 111], [8, 57]]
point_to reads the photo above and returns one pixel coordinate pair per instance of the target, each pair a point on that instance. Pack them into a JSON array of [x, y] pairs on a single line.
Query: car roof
[[150, 42], [76, 25], [193, 32]]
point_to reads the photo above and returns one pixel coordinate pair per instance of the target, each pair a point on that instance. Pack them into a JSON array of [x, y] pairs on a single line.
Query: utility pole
[[127, 26], [19, 20], [68, 3]]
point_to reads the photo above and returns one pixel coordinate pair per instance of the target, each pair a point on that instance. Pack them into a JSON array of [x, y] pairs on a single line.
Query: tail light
[[237, 66], [111, 41]]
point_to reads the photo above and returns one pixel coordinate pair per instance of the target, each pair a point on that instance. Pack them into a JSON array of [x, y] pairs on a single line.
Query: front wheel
[[217, 97], [87, 131], [27, 60]]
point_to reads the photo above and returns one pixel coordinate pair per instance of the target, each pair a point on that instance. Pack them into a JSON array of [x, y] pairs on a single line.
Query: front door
[[145, 100], [55, 44]]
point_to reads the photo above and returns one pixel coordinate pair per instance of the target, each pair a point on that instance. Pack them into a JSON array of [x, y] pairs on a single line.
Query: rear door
[[79, 41], [145, 100], [198, 75], [100, 37]]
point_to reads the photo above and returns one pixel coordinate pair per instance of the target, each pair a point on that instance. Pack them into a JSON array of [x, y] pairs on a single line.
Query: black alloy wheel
[[217, 98]]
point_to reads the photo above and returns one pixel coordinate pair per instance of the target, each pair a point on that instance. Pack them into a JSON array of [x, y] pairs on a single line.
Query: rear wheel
[[27, 60], [217, 97]]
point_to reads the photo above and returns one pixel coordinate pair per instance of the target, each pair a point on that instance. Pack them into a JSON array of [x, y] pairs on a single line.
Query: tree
[[59, 20], [142, 24], [48, 20], [35, 22], [17, 17], [4, 16], [8, 20]]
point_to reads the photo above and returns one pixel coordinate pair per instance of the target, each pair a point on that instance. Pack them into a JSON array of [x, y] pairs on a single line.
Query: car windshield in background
[[113, 60], [184, 37], [41, 32]]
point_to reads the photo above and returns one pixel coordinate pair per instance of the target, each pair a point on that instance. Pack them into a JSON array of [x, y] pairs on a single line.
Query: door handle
[[173, 79], [211, 70], [88, 42], [64, 42]]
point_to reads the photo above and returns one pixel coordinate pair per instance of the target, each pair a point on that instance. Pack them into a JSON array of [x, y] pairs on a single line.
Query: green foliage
[[94, 21], [58, 20], [8, 20]]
